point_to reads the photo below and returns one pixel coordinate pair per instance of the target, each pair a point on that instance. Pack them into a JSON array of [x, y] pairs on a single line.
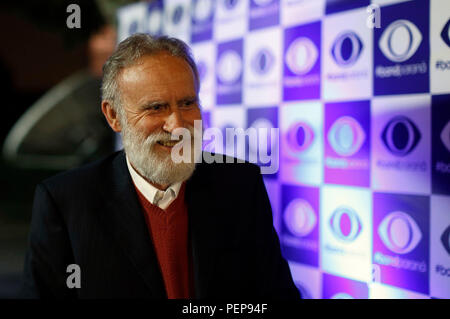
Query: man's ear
[[111, 116]]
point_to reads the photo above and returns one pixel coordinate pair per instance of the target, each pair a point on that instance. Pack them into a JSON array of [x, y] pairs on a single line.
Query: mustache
[[163, 136]]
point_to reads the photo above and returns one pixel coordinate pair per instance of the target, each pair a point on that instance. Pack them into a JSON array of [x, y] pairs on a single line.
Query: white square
[[131, 19], [262, 67], [204, 55], [401, 144], [301, 160], [347, 75], [177, 17], [346, 232]]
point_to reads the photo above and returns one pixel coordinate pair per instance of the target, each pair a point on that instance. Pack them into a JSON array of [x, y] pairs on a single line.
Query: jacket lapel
[[125, 220], [200, 200]]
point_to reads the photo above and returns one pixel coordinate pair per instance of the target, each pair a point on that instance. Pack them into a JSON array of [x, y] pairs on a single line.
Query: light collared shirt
[[157, 197]]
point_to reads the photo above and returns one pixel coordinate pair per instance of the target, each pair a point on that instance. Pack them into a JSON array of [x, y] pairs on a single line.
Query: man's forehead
[[155, 75]]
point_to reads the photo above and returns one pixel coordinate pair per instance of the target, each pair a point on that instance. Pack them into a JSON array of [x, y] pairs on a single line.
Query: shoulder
[[84, 177]]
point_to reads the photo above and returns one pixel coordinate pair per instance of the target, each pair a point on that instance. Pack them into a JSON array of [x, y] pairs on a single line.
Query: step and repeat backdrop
[[360, 92]]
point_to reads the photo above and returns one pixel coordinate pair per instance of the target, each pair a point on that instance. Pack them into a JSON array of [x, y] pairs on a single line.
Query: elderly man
[[138, 225]]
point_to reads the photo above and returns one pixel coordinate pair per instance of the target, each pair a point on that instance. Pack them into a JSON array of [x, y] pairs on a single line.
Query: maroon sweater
[[169, 233]]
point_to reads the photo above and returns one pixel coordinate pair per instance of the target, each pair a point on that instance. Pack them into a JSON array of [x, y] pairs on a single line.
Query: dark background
[[37, 51]]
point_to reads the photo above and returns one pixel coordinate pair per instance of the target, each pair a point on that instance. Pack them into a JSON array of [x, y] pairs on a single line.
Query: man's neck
[[158, 186]]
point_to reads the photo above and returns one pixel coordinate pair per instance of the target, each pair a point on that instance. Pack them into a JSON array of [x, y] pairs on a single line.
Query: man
[[138, 225]]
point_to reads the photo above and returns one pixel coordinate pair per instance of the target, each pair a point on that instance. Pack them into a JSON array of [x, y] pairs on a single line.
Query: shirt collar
[[150, 192]]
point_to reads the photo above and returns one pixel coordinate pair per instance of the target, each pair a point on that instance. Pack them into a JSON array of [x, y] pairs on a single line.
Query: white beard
[[154, 165]]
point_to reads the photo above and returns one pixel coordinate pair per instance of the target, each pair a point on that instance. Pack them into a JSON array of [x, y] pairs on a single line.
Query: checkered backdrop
[[361, 93]]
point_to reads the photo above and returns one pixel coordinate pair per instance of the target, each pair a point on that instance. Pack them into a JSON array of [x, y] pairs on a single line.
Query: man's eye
[[190, 103], [156, 107]]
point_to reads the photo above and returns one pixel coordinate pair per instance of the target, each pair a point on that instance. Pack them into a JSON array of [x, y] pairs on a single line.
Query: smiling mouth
[[170, 143]]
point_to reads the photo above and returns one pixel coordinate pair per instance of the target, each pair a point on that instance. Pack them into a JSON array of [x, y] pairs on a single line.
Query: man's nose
[[173, 121]]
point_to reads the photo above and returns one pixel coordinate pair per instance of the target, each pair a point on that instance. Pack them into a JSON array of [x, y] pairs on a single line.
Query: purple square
[[401, 240], [402, 50], [229, 69], [334, 287], [264, 13], [347, 143], [300, 224], [301, 71]]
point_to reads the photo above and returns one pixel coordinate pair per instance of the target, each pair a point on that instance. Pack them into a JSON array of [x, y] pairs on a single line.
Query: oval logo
[[345, 224], [263, 61], [399, 232], [347, 48], [229, 67], [346, 136], [177, 14], [400, 136], [299, 217], [203, 10], [300, 136], [400, 40], [301, 56]]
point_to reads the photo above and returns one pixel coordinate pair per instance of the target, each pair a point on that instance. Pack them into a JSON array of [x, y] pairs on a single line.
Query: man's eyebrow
[[193, 98], [153, 103]]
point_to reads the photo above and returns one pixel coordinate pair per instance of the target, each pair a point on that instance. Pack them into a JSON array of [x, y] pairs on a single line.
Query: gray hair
[[129, 51]]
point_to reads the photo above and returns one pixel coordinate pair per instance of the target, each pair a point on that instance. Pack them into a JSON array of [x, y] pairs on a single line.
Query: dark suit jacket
[[91, 217]]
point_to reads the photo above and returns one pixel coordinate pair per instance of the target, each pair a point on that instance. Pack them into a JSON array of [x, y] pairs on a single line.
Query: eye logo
[[399, 232], [299, 217], [301, 56], [342, 295], [347, 48], [229, 67], [203, 10], [445, 34], [345, 224], [400, 40], [445, 239], [346, 136], [300, 136], [258, 124], [177, 14], [400, 136], [230, 4], [445, 136], [262, 62]]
